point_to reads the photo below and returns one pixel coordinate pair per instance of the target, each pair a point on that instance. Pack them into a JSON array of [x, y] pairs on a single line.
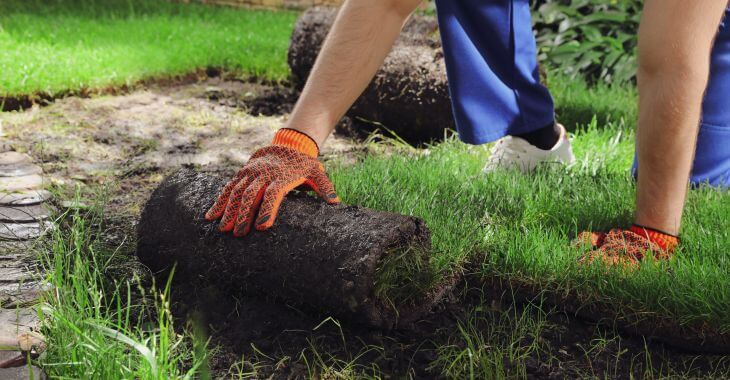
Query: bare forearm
[[666, 138], [361, 37], [674, 49]]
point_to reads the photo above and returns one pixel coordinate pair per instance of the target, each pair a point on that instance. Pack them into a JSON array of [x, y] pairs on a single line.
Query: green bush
[[595, 39]]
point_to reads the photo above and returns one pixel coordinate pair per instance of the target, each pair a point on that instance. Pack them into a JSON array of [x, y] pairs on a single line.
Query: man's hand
[[256, 192], [627, 247]]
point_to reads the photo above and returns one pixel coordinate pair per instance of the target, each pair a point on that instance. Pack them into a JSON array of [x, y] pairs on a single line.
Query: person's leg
[[491, 58], [712, 159]]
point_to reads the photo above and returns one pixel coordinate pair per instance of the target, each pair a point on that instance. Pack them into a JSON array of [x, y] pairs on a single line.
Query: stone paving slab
[[22, 373], [10, 158], [23, 197], [23, 231], [15, 275], [25, 294], [25, 213], [23, 216], [19, 170], [27, 182], [15, 323], [13, 365]]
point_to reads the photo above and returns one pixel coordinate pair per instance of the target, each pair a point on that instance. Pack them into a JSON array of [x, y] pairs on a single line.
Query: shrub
[[595, 39]]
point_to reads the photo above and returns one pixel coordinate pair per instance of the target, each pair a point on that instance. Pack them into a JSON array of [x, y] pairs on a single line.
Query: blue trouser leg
[[712, 156], [491, 61]]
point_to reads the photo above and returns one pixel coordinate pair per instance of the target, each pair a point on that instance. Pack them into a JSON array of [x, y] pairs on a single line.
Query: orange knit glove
[[627, 247], [256, 192]]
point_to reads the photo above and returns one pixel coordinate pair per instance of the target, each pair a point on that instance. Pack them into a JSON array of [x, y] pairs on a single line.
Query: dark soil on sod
[[274, 337], [317, 256]]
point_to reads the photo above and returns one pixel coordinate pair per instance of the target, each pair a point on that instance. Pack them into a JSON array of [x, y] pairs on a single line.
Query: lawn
[[53, 47], [519, 227], [506, 226]]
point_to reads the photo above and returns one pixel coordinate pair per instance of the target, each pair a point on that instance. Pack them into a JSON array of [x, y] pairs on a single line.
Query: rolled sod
[[350, 262], [409, 94]]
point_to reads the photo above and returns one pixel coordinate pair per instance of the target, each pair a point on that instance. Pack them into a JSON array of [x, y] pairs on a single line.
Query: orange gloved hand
[[256, 192], [627, 247]]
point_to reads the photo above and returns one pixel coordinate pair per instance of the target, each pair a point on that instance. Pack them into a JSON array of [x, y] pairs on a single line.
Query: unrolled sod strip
[[318, 256]]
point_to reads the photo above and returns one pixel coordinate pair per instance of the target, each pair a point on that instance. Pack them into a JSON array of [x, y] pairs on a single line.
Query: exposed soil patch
[[130, 141], [277, 340], [268, 101]]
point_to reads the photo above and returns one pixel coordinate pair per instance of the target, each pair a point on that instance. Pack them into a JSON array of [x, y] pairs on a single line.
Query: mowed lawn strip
[[69, 45], [520, 227]]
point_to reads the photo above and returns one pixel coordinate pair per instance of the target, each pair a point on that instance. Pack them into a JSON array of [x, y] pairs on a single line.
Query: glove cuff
[[296, 140], [664, 240]]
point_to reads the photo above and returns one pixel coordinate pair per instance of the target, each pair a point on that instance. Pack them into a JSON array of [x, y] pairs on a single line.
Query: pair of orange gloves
[[253, 197]]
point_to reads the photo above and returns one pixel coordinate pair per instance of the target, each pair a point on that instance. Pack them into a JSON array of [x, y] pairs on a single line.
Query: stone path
[[24, 216]]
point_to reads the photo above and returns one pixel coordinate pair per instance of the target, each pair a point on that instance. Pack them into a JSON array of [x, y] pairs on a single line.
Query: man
[[491, 61]]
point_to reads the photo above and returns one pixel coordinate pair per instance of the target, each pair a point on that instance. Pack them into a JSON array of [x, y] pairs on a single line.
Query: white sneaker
[[516, 153]]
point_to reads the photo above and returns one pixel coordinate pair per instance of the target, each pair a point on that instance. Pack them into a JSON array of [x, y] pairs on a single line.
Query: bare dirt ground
[[128, 143], [138, 137]]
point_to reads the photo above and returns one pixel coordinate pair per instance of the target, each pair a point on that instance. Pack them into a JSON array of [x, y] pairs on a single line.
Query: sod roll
[[321, 257], [409, 94]]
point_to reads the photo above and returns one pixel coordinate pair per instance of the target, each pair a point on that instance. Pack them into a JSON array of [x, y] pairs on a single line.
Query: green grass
[[101, 326], [506, 225], [519, 227], [60, 46], [404, 276], [485, 348], [576, 104]]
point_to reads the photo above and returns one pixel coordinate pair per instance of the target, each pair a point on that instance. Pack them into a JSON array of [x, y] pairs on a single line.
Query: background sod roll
[[409, 94], [350, 262]]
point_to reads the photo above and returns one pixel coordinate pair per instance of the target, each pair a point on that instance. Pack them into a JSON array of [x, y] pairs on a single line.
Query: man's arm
[[362, 36], [675, 42]]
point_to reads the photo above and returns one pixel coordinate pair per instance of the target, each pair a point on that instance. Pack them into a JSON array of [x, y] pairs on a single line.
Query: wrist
[[296, 140], [665, 241]]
